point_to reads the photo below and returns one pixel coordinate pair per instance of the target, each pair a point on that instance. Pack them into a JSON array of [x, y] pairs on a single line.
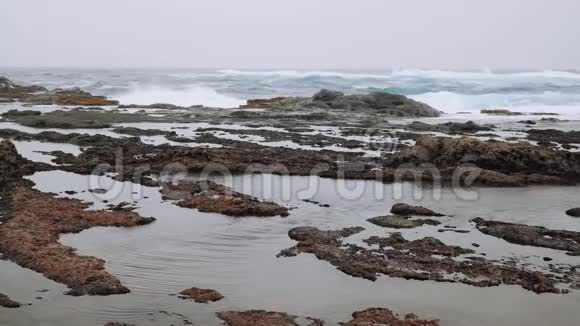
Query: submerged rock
[[201, 295], [416, 260], [6, 302], [406, 209], [537, 236], [401, 222], [385, 317], [30, 238], [208, 196], [574, 212]]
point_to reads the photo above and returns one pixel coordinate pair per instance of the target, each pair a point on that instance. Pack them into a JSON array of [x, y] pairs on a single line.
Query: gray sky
[[293, 34]]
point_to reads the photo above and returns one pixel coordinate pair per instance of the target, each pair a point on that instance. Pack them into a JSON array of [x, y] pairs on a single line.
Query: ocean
[[448, 91]]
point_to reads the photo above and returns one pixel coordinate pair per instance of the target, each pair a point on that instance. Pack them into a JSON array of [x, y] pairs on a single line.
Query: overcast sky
[[294, 34]]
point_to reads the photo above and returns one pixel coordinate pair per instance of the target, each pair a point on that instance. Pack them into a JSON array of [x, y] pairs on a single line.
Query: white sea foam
[[186, 96], [454, 102]]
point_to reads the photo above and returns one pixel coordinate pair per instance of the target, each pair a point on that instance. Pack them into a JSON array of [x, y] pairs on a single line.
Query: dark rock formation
[[406, 209], [574, 212], [208, 196], [20, 113], [132, 131], [492, 163], [401, 222], [40, 95], [6, 302], [553, 135], [75, 119], [379, 102], [452, 128], [201, 295], [526, 235]]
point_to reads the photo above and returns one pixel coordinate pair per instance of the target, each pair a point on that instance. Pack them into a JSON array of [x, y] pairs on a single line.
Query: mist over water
[[448, 91]]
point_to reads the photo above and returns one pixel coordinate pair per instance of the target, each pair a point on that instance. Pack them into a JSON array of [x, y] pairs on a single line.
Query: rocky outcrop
[[30, 239], [423, 259], [378, 102], [6, 302], [12, 165], [40, 95], [406, 209], [492, 163], [201, 295], [9, 89], [385, 317], [526, 235], [208, 196]]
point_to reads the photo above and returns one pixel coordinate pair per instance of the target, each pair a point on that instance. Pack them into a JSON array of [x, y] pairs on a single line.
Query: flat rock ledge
[[208, 196], [537, 236]]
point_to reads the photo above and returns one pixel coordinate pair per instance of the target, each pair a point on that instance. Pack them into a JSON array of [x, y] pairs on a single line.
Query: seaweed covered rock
[[382, 316], [30, 238]]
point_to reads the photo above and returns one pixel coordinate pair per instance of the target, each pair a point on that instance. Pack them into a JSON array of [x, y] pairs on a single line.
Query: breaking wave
[[183, 96], [455, 102]]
